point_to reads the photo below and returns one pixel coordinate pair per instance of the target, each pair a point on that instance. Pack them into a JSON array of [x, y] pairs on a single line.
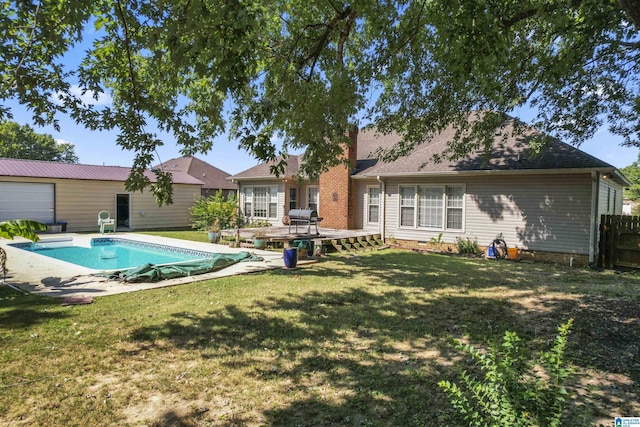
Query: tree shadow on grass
[[19, 310], [373, 354]]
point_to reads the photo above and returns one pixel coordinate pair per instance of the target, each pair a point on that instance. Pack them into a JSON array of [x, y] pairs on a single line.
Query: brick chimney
[[337, 196]]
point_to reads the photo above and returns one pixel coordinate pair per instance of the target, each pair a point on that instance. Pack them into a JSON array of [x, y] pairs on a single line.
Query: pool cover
[[155, 273]]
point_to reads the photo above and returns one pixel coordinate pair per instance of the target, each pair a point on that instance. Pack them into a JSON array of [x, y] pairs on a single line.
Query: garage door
[[26, 200]]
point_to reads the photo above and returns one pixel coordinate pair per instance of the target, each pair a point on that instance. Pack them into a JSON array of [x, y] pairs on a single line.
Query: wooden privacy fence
[[619, 244]]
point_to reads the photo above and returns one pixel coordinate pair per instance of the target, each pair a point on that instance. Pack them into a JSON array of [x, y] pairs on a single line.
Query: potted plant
[[237, 222], [213, 214], [214, 232], [259, 239]]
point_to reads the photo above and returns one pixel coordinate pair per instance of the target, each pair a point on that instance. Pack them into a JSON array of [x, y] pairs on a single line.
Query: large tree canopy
[[22, 142], [306, 71]]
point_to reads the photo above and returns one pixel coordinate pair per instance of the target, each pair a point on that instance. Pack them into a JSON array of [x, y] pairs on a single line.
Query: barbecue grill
[[306, 217]]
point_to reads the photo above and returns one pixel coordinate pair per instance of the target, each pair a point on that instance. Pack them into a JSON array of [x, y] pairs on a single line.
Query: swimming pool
[[109, 253]]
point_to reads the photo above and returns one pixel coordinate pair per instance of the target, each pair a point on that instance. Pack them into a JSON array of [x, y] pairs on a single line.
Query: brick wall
[[337, 196]]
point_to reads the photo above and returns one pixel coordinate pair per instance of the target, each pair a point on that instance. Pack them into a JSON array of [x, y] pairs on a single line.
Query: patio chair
[[106, 222]]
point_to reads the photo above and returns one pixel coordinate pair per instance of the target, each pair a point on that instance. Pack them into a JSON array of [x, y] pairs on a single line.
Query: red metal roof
[[41, 169]]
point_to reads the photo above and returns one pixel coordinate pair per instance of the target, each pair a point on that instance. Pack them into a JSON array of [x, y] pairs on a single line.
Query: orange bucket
[[513, 253]]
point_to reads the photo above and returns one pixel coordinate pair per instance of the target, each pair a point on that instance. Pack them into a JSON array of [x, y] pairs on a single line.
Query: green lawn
[[346, 341]]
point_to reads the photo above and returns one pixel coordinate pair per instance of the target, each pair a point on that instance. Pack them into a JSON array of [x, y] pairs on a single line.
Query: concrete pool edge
[[50, 277]]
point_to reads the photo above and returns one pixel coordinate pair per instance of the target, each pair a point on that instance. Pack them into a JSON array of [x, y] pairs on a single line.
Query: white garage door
[[26, 200]]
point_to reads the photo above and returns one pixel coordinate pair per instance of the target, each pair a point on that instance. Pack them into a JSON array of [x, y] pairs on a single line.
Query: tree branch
[[344, 35], [27, 50], [320, 45]]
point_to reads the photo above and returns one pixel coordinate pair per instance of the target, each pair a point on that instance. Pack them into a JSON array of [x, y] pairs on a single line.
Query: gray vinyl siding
[[609, 198], [536, 212], [361, 189]]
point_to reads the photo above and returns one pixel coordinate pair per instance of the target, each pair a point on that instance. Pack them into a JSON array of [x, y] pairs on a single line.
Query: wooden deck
[[327, 239]]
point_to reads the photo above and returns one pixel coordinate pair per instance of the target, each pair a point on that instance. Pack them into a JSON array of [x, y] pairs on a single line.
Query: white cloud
[[86, 97], [61, 141]]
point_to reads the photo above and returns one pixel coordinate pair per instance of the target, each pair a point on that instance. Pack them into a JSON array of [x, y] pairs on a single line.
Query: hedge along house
[[548, 203], [53, 192]]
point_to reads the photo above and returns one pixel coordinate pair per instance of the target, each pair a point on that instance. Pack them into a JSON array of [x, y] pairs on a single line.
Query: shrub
[[214, 212], [468, 246], [515, 390]]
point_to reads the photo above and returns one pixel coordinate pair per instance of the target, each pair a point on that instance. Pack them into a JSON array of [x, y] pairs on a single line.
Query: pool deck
[[42, 275]]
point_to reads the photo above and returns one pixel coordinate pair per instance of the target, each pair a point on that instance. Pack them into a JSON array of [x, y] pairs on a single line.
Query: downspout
[[595, 195], [383, 208]]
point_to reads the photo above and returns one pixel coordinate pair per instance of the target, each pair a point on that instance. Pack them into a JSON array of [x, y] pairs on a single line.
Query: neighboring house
[[53, 192], [213, 178], [547, 203]]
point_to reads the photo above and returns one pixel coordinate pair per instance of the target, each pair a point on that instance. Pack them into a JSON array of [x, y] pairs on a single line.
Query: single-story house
[[213, 179], [73, 194], [548, 203]]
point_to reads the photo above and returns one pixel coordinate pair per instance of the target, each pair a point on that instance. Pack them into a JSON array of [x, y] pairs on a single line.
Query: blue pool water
[[113, 253]]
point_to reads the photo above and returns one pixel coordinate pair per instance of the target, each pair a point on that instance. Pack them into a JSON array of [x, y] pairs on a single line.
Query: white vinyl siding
[[362, 205]]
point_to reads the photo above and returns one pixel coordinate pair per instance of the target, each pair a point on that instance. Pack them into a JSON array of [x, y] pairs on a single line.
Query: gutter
[[566, 171], [593, 235], [383, 208]]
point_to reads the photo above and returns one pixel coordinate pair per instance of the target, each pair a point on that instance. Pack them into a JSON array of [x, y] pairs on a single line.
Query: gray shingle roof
[[41, 169], [510, 153], [263, 169], [211, 176]]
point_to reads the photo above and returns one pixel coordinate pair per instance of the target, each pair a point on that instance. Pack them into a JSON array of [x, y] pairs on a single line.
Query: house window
[[373, 204], [273, 202], [312, 193], [248, 199], [293, 198], [261, 201], [407, 206], [430, 207], [455, 204], [438, 207]]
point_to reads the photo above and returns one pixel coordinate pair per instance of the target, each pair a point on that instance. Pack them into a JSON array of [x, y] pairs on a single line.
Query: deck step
[[339, 247]]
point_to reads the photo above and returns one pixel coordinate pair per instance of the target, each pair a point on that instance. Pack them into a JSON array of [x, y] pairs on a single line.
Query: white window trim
[[368, 204], [309, 187], [443, 187], [252, 200]]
